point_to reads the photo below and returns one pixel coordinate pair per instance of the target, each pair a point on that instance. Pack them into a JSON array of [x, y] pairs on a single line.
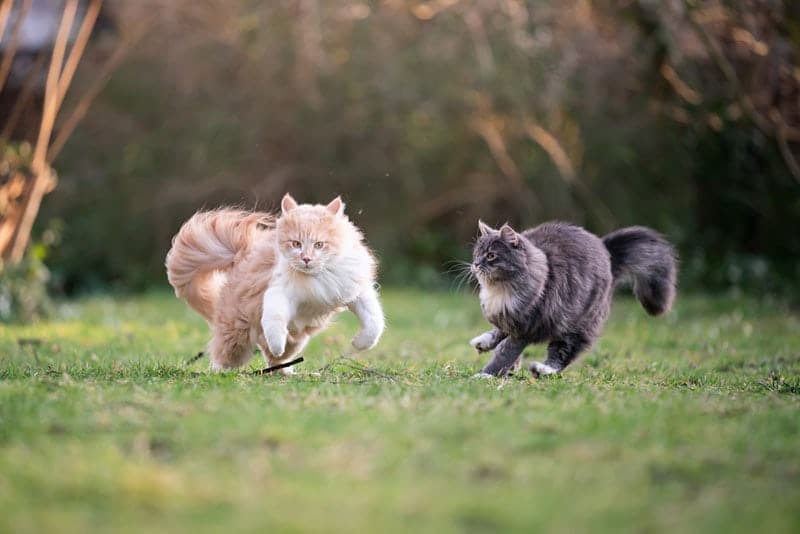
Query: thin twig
[[767, 127], [5, 12], [566, 169], [349, 362], [51, 86], [195, 357], [428, 10], [788, 156], [278, 367], [78, 47], [42, 174], [82, 107]]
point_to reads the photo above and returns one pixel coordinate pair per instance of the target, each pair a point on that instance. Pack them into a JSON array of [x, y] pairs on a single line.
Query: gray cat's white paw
[[540, 369], [482, 343], [482, 375]]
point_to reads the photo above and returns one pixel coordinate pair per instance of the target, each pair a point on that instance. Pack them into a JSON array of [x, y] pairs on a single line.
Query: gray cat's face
[[498, 255]]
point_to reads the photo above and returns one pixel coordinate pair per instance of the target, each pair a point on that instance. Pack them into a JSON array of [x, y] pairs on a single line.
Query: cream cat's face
[[310, 236]]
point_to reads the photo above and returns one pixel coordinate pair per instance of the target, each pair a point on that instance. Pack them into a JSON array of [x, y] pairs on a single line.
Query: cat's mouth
[[486, 278], [306, 268], [482, 276]]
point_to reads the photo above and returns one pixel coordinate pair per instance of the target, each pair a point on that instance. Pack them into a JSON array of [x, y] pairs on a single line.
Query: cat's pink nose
[[306, 260]]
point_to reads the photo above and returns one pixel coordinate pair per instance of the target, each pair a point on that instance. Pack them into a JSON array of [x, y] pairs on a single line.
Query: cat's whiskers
[[461, 271]]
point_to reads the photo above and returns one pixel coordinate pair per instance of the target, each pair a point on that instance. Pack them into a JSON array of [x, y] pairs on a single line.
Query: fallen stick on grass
[[195, 357], [278, 367], [259, 372]]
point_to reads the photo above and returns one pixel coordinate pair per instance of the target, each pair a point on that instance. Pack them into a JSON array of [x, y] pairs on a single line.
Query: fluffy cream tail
[[205, 246]]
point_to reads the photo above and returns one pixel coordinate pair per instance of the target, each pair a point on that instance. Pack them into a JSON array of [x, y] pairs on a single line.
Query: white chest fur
[[295, 301], [496, 299], [339, 283], [313, 298]]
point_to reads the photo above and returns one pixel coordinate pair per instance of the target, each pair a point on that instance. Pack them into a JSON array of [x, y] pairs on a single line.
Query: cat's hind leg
[[505, 358], [488, 340], [560, 353], [229, 350]]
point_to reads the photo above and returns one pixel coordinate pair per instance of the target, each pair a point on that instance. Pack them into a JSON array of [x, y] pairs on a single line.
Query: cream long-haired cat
[[274, 282]]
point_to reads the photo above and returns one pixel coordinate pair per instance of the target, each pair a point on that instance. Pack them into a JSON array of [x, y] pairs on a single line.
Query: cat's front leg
[[505, 357], [488, 340], [275, 315], [368, 309]]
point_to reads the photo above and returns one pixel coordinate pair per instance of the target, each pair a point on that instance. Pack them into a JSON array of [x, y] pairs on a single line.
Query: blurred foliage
[[428, 115], [14, 157], [23, 294], [15, 165], [23, 287]]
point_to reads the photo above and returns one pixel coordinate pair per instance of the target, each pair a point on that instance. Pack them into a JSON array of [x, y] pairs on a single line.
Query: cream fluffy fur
[[274, 282]]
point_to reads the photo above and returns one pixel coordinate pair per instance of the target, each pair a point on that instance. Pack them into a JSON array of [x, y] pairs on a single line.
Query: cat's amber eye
[[491, 256], [296, 244], [319, 244]]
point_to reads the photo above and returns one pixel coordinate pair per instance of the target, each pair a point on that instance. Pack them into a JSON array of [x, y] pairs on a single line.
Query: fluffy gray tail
[[649, 260]]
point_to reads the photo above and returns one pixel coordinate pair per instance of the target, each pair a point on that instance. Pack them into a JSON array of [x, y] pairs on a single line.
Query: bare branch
[[51, 86], [557, 154], [5, 11], [788, 155], [480, 41], [776, 129], [491, 135], [428, 10], [78, 47], [679, 86], [42, 174], [82, 107], [550, 144]]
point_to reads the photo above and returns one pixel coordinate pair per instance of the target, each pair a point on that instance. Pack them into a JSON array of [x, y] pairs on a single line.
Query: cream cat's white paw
[[276, 340], [368, 310], [482, 343], [366, 339], [540, 369]]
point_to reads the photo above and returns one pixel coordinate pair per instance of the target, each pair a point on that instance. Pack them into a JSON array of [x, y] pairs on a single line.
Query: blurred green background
[[428, 115]]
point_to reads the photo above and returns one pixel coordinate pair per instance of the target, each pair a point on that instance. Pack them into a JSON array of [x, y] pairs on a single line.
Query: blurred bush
[[23, 294], [23, 287], [428, 115]]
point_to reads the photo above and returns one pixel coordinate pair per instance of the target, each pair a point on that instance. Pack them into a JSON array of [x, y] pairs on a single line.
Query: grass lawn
[[689, 423]]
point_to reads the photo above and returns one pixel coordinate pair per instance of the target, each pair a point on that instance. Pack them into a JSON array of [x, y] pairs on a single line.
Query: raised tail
[[206, 246], [649, 260]]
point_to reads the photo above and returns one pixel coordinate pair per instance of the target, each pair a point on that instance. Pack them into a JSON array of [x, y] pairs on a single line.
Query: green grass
[[684, 423]]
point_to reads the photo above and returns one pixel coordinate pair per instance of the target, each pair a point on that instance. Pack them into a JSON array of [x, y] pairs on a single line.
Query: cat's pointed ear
[[336, 206], [509, 235], [484, 228], [288, 203]]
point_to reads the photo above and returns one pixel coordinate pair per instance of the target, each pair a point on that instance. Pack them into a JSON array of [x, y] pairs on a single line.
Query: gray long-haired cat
[[554, 283]]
